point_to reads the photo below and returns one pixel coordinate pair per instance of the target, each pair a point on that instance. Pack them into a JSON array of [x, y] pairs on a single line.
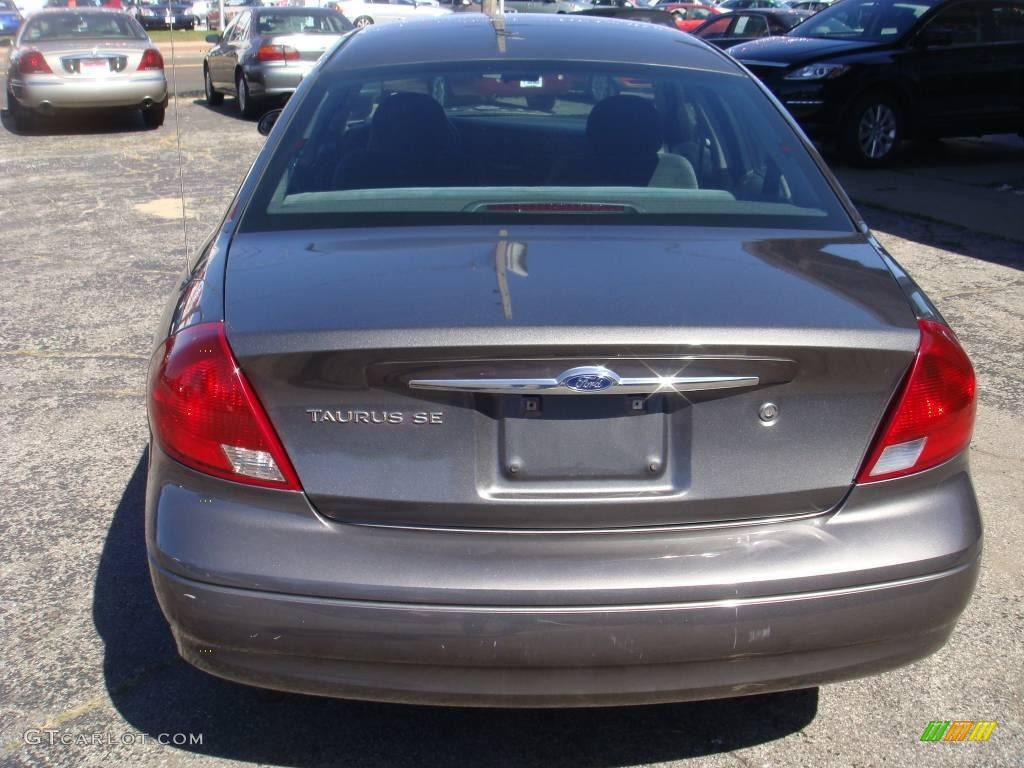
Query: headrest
[[411, 122], [625, 124]]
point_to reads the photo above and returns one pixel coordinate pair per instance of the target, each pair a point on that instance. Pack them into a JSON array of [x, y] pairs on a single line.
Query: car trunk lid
[[543, 378]]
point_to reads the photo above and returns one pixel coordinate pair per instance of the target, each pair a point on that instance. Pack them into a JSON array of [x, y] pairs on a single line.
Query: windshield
[[74, 26], [7, 5], [872, 20], [472, 143], [301, 24]]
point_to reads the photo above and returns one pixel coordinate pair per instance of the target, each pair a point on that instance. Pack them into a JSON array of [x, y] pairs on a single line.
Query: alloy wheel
[[876, 132]]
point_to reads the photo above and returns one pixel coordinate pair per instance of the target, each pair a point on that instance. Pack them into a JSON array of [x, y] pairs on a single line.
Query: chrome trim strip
[[645, 385]]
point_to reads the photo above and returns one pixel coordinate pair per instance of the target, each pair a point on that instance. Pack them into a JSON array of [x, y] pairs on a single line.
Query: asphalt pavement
[[94, 242]]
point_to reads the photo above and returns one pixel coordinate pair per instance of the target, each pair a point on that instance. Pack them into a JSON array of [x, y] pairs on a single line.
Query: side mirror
[[213, 39], [266, 123], [6, 42], [934, 38]]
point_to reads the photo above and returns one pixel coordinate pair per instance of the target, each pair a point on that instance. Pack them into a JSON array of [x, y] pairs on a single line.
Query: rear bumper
[[266, 80], [99, 93], [259, 589]]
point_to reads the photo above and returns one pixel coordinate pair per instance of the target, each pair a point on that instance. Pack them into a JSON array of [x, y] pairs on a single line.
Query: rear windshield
[[873, 20], [301, 24], [475, 143], [73, 26]]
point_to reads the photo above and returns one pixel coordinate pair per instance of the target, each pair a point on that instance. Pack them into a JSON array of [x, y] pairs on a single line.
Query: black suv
[[870, 73]]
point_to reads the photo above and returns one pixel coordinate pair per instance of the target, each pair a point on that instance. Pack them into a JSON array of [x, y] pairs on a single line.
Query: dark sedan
[[613, 402], [154, 14], [737, 27], [867, 74]]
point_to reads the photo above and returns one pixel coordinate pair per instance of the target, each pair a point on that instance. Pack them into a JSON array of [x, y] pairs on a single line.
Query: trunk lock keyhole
[[768, 413]]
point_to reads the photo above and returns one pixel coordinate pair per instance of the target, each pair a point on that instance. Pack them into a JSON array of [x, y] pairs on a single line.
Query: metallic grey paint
[[749, 562]]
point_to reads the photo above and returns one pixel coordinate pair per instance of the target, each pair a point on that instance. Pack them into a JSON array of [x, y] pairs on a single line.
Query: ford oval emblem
[[588, 379]]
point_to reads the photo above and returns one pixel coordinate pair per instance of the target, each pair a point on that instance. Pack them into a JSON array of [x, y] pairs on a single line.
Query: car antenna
[[177, 133], [495, 9]]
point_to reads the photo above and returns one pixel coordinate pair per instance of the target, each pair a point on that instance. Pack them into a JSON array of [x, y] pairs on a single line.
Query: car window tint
[[717, 27], [749, 26], [962, 22], [299, 24], [876, 20], [698, 13], [469, 142], [72, 26], [1006, 25]]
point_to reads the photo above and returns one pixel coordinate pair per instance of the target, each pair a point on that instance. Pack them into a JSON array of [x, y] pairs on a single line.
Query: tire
[[154, 116], [213, 97], [873, 131], [24, 120], [246, 104], [440, 91], [541, 101], [362, 21]]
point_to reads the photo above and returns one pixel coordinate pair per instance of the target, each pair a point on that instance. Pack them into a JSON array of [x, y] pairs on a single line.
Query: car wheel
[[363, 21], [873, 131], [440, 91], [246, 103], [602, 87], [24, 120], [153, 117], [542, 101], [213, 98]]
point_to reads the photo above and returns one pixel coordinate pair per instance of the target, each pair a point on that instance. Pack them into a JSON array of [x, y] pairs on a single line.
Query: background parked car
[[84, 59], [547, 6], [689, 16], [742, 5], [630, 13], [810, 5], [868, 74], [159, 14], [10, 19], [363, 13], [265, 52], [231, 9], [737, 27]]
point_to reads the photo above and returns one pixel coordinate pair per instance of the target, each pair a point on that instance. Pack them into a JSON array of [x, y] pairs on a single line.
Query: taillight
[[33, 63], [204, 413], [932, 418], [276, 53], [151, 59]]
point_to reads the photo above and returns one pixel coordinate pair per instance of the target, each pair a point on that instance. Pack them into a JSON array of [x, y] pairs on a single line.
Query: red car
[[688, 16]]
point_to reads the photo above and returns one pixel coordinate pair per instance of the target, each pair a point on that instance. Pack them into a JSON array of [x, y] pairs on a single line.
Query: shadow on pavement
[[120, 121], [230, 109], [157, 693], [945, 236]]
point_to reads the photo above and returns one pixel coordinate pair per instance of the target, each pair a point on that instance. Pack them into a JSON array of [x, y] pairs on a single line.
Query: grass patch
[[180, 35]]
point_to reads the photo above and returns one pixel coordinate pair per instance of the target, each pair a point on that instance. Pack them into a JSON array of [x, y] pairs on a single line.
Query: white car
[[362, 13]]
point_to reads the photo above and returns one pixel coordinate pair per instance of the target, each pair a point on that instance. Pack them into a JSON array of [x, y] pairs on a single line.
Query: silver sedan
[[84, 59], [265, 52]]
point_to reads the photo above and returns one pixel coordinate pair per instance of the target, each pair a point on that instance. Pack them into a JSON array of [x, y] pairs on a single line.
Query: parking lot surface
[[94, 242]]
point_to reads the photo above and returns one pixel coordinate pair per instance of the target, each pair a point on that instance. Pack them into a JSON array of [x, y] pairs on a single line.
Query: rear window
[[301, 24], [74, 26], [474, 143]]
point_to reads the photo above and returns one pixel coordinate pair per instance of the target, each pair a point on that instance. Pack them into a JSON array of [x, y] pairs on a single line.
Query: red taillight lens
[[33, 63], [932, 418], [204, 413], [276, 53], [151, 60]]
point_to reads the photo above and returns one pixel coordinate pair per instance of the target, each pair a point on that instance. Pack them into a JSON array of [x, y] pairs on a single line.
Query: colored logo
[[958, 730], [588, 379]]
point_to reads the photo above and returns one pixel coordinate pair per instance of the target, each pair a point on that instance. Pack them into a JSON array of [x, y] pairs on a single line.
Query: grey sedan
[[84, 59], [265, 52], [614, 402]]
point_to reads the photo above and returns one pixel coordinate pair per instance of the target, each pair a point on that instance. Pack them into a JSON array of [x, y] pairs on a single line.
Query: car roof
[[527, 37]]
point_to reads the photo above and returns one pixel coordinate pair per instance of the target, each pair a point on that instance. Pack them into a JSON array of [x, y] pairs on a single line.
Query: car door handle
[[587, 380]]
